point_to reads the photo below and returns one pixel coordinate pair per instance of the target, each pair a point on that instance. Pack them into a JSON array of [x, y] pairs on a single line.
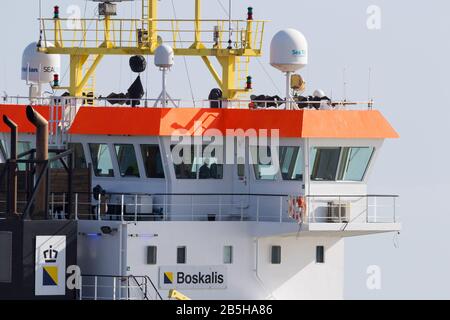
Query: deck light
[[249, 13], [56, 12], [56, 80], [249, 83]]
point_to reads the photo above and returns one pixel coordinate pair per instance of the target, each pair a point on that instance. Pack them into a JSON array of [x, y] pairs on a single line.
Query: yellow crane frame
[[108, 36]]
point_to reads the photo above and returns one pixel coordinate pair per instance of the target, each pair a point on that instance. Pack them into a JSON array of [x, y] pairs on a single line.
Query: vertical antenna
[[345, 83], [369, 89], [229, 24]]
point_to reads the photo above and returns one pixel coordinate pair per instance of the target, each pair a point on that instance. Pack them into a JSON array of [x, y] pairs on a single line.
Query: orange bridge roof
[[359, 124]]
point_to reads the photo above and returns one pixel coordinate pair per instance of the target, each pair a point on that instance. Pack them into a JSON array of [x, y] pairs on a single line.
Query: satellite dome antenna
[[288, 53], [164, 59]]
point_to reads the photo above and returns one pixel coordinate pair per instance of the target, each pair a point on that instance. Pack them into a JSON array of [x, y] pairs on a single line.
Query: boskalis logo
[[199, 278], [50, 269], [193, 277], [168, 277]]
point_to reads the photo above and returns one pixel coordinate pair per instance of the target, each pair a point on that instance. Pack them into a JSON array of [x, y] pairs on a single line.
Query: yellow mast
[[143, 35]]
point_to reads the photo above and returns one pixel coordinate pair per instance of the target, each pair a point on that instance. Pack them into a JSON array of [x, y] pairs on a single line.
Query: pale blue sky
[[410, 79]]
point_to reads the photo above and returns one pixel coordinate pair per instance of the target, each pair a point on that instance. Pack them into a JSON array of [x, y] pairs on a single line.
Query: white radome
[[38, 67], [289, 50], [164, 56]]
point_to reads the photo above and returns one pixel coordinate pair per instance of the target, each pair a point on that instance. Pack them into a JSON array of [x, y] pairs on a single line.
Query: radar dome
[[164, 56], [289, 50], [38, 67]]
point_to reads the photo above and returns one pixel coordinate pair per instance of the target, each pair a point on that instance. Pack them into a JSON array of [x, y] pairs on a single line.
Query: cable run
[[184, 58]]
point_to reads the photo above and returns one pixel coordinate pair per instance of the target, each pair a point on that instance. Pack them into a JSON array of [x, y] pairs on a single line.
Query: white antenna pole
[[288, 90], [229, 24], [345, 83]]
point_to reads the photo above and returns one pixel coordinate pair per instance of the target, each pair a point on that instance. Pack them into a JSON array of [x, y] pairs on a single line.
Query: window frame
[[115, 145], [184, 256], [154, 258], [340, 163], [320, 253], [272, 252], [143, 145], [231, 255], [111, 155]]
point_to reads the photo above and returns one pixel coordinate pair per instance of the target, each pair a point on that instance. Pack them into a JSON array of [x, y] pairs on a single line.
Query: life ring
[[297, 208]]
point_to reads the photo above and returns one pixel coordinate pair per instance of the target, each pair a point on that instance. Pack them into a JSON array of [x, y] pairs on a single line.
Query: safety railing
[[109, 287], [75, 103], [134, 33], [225, 207], [352, 208]]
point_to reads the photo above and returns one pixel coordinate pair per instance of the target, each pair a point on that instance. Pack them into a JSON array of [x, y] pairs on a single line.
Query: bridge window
[[126, 157], [208, 164], [354, 163], [198, 165], [325, 162], [151, 156], [291, 163], [23, 146], [185, 168], [262, 164], [79, 160], [101, 160]]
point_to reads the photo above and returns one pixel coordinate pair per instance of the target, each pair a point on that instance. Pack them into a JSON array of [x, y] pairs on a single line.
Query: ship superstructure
[[224, 198]]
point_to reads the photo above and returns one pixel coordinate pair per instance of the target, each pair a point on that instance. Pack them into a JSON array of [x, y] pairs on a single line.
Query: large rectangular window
[[101, 160], [79, 159], [354, 163], [199, 164], [262, 163], [151, 155], [291, 163], [126, 157], [325, 162], [181, 255]]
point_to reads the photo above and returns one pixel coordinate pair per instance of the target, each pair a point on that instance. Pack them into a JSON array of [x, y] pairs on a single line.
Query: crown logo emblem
[[50, 255]]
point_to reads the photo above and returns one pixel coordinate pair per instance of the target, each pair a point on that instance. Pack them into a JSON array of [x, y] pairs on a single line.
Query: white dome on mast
[[289, 50]]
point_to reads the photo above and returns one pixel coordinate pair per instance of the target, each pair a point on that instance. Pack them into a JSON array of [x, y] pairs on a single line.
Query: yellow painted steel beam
[[147, 51], [89, 72], [76, 74], [213, 71]]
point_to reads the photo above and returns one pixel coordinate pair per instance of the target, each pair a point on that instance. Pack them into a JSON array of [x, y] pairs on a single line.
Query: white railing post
[[99, 206], [114, 288], [281, 209], [192, 207], [81, 288], [76, 206], [95, 287], [220, 207], [64, 205], [257, 208], [395, 206], [135, 207], [122, 201]]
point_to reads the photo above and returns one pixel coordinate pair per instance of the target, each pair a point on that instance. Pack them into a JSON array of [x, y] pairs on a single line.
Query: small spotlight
[[108, 230]]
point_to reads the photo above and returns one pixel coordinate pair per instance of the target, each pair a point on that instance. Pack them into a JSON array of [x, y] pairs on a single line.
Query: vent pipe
[[41, 125], [12, 168]]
